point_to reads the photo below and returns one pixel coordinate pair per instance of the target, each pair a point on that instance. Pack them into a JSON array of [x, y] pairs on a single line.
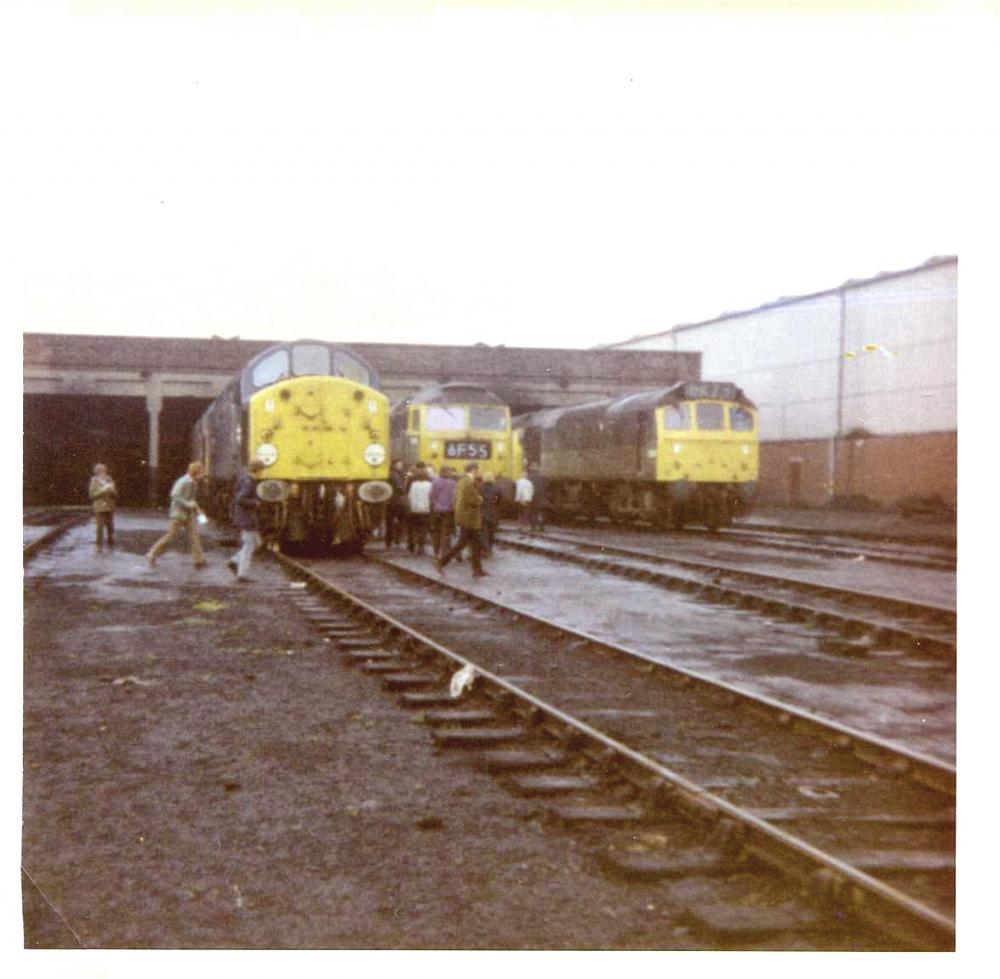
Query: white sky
[[452, 173]]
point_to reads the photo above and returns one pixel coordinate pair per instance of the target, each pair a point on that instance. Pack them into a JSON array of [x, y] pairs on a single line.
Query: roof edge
[[933, 262]]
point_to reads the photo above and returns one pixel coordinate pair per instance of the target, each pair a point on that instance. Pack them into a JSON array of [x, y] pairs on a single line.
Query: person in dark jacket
[[395, 512], [490, 512], [536, 509], [468, 502], [442, 511], [245, 506]]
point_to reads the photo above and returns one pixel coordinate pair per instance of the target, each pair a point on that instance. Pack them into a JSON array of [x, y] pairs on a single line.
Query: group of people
[[186, 515], [428, 505], [423, 506]]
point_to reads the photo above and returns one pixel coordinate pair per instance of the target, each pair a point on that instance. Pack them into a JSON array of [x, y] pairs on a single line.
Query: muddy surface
[[199, 773]]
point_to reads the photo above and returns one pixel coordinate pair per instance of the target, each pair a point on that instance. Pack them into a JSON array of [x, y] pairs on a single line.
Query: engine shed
[[131, 402]]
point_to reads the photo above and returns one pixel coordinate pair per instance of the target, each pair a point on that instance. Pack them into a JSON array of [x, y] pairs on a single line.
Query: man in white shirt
[[418, 498], [524, 492]]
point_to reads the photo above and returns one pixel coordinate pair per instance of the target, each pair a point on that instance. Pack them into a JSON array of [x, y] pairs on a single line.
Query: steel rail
[[768, 842], [869, 748], [844, 620], [33, 548], [747, 535]]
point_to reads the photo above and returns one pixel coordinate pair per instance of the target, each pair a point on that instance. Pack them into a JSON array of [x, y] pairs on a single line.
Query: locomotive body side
[[321, 436]]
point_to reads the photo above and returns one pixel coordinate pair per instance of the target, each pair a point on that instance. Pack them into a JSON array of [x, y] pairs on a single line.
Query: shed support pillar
[[154, 403]]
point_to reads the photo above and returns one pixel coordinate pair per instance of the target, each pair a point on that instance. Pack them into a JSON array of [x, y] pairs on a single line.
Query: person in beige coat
[[104, 497]]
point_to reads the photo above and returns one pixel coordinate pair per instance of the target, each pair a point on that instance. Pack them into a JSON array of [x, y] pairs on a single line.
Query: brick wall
[[884, 469]]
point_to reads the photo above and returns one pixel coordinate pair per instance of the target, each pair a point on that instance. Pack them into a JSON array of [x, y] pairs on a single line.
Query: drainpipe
[[840, 391]]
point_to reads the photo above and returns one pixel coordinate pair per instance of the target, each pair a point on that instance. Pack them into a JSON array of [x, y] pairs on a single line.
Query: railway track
[[928, 553], [866, 621], [50, 526], [826, 544], [773, 827]]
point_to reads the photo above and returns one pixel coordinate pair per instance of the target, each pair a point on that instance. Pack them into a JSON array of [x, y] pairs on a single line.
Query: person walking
[[419, 501], [104, 496], [245, 507], [184, 513], [395, 511], [442, 511], [490, 512], [524, 490], [468, 502]]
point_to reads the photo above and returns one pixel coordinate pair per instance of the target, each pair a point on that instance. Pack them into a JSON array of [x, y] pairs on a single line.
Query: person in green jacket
[[468, 501], [184, 513]]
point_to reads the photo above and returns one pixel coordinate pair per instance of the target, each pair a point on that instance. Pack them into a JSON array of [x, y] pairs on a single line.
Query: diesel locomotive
[[314, 414], [682, 454], [451, 425]]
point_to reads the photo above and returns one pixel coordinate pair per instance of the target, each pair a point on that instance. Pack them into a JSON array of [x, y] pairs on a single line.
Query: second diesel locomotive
[[686, 453], [450, 425], [314, 414]]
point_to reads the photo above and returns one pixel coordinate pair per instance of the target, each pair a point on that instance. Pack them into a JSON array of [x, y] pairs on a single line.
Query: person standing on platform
[[245, 507], [536, 508], [184, 513], [104, 496], [395, 511], [468, 502], [523, 491], [419, 500], [442, 511], [490, 512]]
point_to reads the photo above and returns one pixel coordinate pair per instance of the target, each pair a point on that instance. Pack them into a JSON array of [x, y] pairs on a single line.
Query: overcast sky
[[461, 173]]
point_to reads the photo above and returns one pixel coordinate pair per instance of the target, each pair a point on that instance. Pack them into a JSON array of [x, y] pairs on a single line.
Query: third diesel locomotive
[[686, 453]]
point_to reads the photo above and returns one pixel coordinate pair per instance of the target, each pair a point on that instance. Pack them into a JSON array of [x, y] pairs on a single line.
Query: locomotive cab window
[[310, 358], [271, 369], [677, 418], [740, 420], [353, 370], [490, 419], [710, 417], [444, 418]]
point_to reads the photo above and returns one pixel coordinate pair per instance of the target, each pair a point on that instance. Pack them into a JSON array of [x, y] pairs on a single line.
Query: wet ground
[[199, 773], [935, 588], [902, 697]]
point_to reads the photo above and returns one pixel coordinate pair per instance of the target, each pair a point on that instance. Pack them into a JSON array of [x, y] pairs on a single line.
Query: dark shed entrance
[[64, 435]]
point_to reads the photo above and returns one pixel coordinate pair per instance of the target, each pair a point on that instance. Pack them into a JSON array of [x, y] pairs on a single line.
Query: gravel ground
[[198, 774]]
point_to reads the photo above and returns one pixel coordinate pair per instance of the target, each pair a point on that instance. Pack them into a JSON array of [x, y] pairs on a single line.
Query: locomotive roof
[[453, 393], [638, 401], [339, 347]]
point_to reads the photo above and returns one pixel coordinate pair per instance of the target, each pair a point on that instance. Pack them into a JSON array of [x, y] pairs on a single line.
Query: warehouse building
[[856, 385]]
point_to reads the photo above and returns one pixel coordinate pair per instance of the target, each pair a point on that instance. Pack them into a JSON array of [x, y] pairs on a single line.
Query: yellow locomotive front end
[[707, 454], [314, 414], [320, 429], [454, 435], [452, 425]]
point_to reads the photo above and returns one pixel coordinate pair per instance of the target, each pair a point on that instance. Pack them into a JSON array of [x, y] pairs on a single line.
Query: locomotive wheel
[[713, 514], [677, 516]]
